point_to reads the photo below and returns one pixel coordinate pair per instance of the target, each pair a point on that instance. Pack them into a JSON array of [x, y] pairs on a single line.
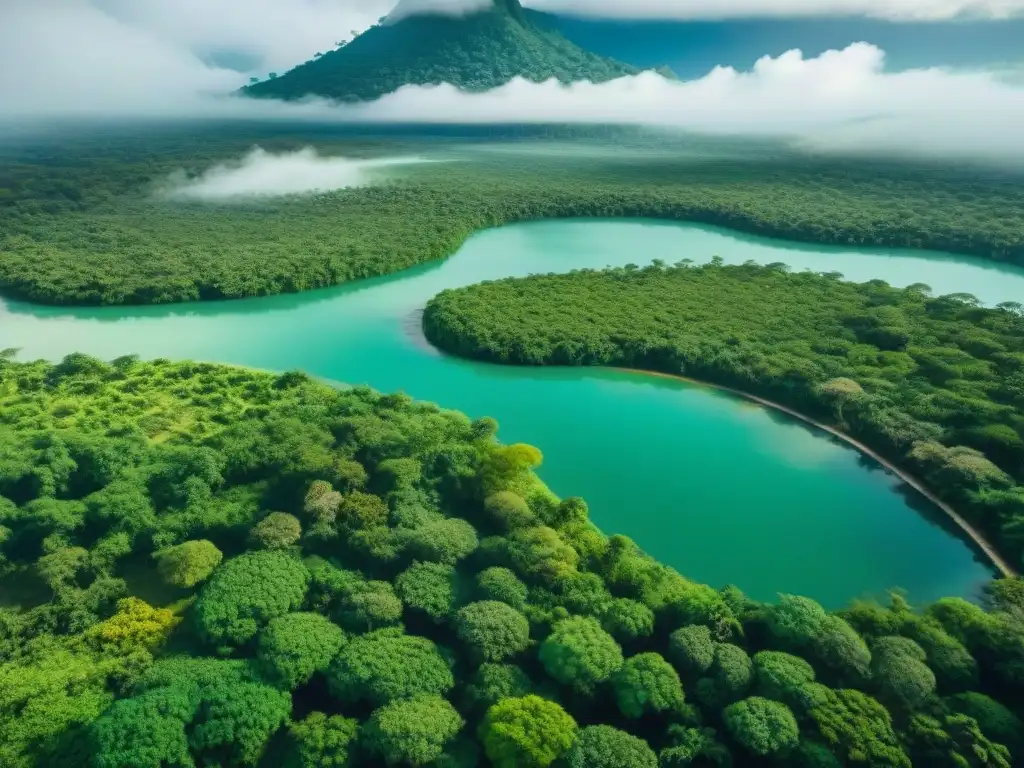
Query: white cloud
[[277, 33], [65, 57], [263, 174], [69, 56], [407, 8], [274, 35], [840, 100]]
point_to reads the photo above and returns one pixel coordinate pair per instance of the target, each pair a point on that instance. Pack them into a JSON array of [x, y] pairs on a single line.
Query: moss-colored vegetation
[[409, 624], [82, 220], [935, 383]]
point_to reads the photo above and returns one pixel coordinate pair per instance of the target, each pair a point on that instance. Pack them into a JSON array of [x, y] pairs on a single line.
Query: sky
[[160, 57]]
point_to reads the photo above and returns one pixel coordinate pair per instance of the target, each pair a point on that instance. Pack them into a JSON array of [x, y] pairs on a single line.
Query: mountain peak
[[474, 45]]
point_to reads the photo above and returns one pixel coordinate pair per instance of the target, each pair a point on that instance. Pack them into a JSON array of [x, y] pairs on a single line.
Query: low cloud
[[262, 174], [407, 8], [841, 100], [75, 61]]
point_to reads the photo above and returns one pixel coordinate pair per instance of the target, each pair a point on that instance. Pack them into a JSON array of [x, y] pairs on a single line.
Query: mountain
[[475, 52]]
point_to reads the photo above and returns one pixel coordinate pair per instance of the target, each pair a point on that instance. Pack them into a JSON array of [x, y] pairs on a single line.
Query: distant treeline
[[80, 222], [934, 383]]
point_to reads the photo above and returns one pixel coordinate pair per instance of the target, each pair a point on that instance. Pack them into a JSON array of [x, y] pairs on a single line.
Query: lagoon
[[723, 490]]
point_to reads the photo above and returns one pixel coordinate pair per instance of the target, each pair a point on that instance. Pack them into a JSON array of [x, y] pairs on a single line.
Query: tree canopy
[[171, 631]]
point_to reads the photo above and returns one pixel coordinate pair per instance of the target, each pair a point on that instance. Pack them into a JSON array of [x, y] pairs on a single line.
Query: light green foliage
[[445, 541], [601, 746], [368, 605], [580, 654], [693, 746], [412, 731], [386, 665], [997, 721], [1006, 594], [627, 620], [52, 690], [146, 731], [646, 683], [700, 604], [508, 511], [570, 511], [838, 647], [509, 468], [777, 674], [577, 592], [428, 587], [400, 474], [692, 650], [501, 584], [954, 667], [295, 646], [965, 621], [61, 568], [214, 709], [278, 530], [493, 631], [248, 591], [899, 670], [762, 726], [136, 625], [954, 741], [241, 720], [493, 682], [855, 726], [729, 677], [527, 732], [538, 553], [322, 741], [794, 620], [361, 511]]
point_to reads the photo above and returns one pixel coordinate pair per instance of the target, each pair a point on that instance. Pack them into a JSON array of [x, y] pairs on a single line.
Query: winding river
[[724, 490]]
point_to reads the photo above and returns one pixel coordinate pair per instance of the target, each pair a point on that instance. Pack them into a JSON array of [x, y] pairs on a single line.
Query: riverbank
[[976, 537]]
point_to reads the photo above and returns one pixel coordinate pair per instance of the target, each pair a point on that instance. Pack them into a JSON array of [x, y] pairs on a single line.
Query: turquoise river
[[725, 491]]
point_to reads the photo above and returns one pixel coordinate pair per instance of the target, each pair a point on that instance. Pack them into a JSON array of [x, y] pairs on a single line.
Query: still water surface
[[725, 491]]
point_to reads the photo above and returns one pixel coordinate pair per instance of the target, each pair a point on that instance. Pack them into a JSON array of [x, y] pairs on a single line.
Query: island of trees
[[205, 565], [936, 384]]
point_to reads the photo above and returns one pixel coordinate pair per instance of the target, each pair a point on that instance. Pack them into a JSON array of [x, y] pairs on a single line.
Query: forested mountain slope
[[477, 52], [206, 565]]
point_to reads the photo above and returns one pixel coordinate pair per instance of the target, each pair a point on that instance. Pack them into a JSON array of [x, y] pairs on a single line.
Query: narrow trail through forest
[[976, 536]]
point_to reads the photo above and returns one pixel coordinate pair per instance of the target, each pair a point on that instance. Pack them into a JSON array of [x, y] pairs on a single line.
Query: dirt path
[[982, 543]]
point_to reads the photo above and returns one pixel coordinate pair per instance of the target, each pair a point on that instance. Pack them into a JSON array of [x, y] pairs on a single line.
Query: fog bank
[[261, 174]]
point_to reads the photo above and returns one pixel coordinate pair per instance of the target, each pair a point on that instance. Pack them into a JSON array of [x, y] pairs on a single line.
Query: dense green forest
[[206, 565], [476, 53], [935, 383], [82, 220]]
